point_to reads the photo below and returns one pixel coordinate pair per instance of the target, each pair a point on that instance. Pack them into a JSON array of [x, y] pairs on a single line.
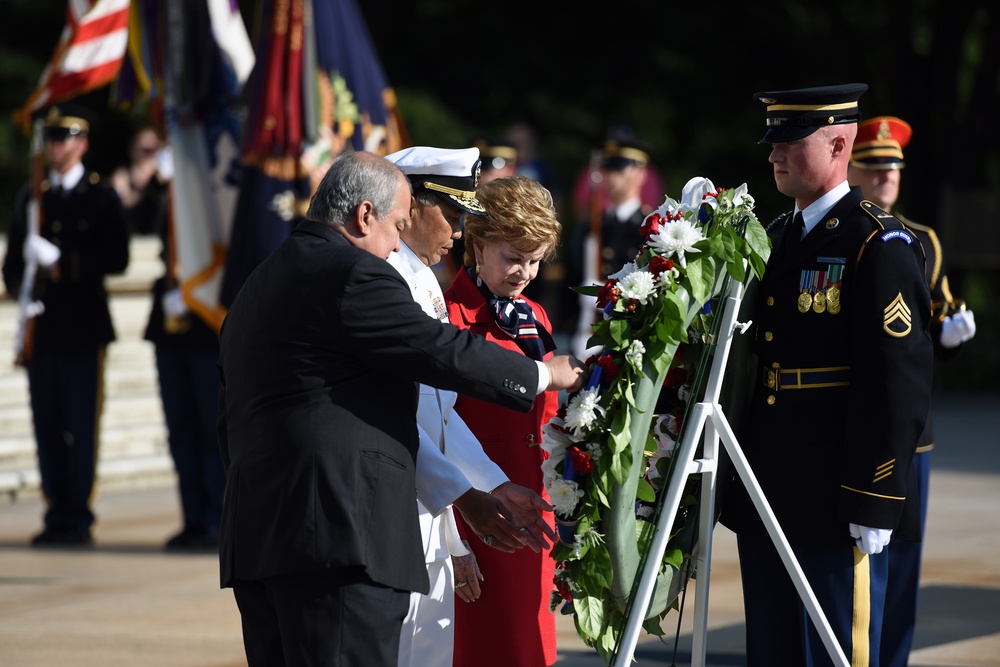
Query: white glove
[[173, 304], [41, 251], [870, 540], [165, 163], [958, 328]]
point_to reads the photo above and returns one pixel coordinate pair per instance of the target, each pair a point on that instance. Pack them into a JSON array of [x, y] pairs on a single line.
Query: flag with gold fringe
[[187, 63], [318, 90]]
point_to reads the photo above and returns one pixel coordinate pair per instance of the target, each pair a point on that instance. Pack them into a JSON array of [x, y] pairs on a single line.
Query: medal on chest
[[819, 288]]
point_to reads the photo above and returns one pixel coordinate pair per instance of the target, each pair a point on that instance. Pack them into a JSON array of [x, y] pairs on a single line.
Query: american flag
[[88, 55]]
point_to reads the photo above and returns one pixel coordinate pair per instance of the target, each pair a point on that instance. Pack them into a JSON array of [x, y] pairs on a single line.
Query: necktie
[[516, 318], [795, 231]]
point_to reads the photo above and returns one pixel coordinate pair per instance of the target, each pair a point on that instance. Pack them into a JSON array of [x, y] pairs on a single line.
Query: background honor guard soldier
[[842, 391], [498, 159], [82, 238], [450, 460], [876, 164], [602, 244]]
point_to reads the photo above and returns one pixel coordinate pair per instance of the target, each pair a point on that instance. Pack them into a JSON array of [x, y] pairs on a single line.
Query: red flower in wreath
[[608, 368], [676, 376], [563, 589], [607, 294], [658, 265], [651, 225], [581, 461]]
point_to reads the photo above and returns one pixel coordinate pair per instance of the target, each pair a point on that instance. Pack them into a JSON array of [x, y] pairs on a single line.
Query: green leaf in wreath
[[588, 290], [589, 615], [701, 276], [645, 492]]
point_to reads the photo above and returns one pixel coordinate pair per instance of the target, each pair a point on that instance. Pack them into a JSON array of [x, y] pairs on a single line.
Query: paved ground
[[127, 603]]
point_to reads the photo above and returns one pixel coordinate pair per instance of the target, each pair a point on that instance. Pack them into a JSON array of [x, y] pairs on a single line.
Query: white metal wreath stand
[[708, 418]]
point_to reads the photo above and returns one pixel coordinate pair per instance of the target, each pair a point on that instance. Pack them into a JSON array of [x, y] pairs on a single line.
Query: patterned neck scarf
[[516, 318]]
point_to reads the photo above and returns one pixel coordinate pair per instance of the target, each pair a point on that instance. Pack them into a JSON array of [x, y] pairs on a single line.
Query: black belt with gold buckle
[[778, 378]]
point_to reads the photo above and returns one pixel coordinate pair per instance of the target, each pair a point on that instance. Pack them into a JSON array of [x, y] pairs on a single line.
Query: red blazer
[[512, 617], [510, 438]]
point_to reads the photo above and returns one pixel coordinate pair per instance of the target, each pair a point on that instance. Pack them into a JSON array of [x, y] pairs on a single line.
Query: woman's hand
[[467, 576]]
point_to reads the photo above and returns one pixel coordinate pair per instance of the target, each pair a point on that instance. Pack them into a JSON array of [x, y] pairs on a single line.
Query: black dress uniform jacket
[[88, 225], [942, 302], [839, 449], [320, 357]]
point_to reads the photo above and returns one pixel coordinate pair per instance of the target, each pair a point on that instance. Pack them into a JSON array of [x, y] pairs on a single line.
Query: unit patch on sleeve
[[896, 234]]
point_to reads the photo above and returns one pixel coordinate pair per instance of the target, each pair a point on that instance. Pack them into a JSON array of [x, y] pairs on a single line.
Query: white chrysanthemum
[[577, 545], [582, 411], [638, 285], [667, 277], [634, 353], [564, 496], [675, 239], [594, 449]]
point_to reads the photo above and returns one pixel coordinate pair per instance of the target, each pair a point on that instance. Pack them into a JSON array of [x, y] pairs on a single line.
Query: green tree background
[[682, 75]]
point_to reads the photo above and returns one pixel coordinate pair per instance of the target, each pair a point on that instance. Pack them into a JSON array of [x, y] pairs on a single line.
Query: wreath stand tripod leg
[[709, 419]]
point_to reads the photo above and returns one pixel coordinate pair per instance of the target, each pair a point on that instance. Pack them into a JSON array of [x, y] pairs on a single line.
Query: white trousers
[[428, 634]]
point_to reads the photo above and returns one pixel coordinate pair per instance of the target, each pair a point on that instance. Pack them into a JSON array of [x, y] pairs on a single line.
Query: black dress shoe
[[193, 540], [51, 537]]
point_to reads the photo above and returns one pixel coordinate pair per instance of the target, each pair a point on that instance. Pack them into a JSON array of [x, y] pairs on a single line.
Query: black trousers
[[189, 389], [336, 617], [67, 392]]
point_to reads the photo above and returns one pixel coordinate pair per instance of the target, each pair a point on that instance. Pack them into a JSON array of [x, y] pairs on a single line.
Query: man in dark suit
[[842, 391], [320, 355], [82, 238]]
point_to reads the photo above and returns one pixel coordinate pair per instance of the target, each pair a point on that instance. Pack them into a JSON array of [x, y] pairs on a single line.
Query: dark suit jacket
[[320, 357], [830, 456]]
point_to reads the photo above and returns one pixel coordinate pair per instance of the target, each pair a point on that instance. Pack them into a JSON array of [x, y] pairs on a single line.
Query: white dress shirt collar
[[817, 210], [625, 210], [68, 180]]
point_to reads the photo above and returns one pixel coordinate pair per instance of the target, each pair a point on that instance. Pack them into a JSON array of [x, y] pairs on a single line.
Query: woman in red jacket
[[511, 623]]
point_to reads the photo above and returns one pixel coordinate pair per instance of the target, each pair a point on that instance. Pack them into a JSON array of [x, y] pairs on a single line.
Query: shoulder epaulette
[[776, 224], [886, 228]]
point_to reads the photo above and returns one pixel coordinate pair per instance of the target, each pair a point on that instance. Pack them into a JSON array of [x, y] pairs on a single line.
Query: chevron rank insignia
[[897, 319]]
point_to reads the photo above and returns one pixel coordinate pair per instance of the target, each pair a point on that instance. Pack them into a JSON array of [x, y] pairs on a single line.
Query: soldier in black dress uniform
[[876, 164], [82, 238], [589, 261], [842, 392]]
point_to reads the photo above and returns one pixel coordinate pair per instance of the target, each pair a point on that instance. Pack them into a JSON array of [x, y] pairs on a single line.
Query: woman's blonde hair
[[519, 210]]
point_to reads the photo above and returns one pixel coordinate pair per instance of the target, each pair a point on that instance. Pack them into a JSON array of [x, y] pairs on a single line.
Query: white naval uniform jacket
[[450, 460]]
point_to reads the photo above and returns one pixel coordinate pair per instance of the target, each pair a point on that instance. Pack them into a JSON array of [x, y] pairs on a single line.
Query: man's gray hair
[[352, 178]]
